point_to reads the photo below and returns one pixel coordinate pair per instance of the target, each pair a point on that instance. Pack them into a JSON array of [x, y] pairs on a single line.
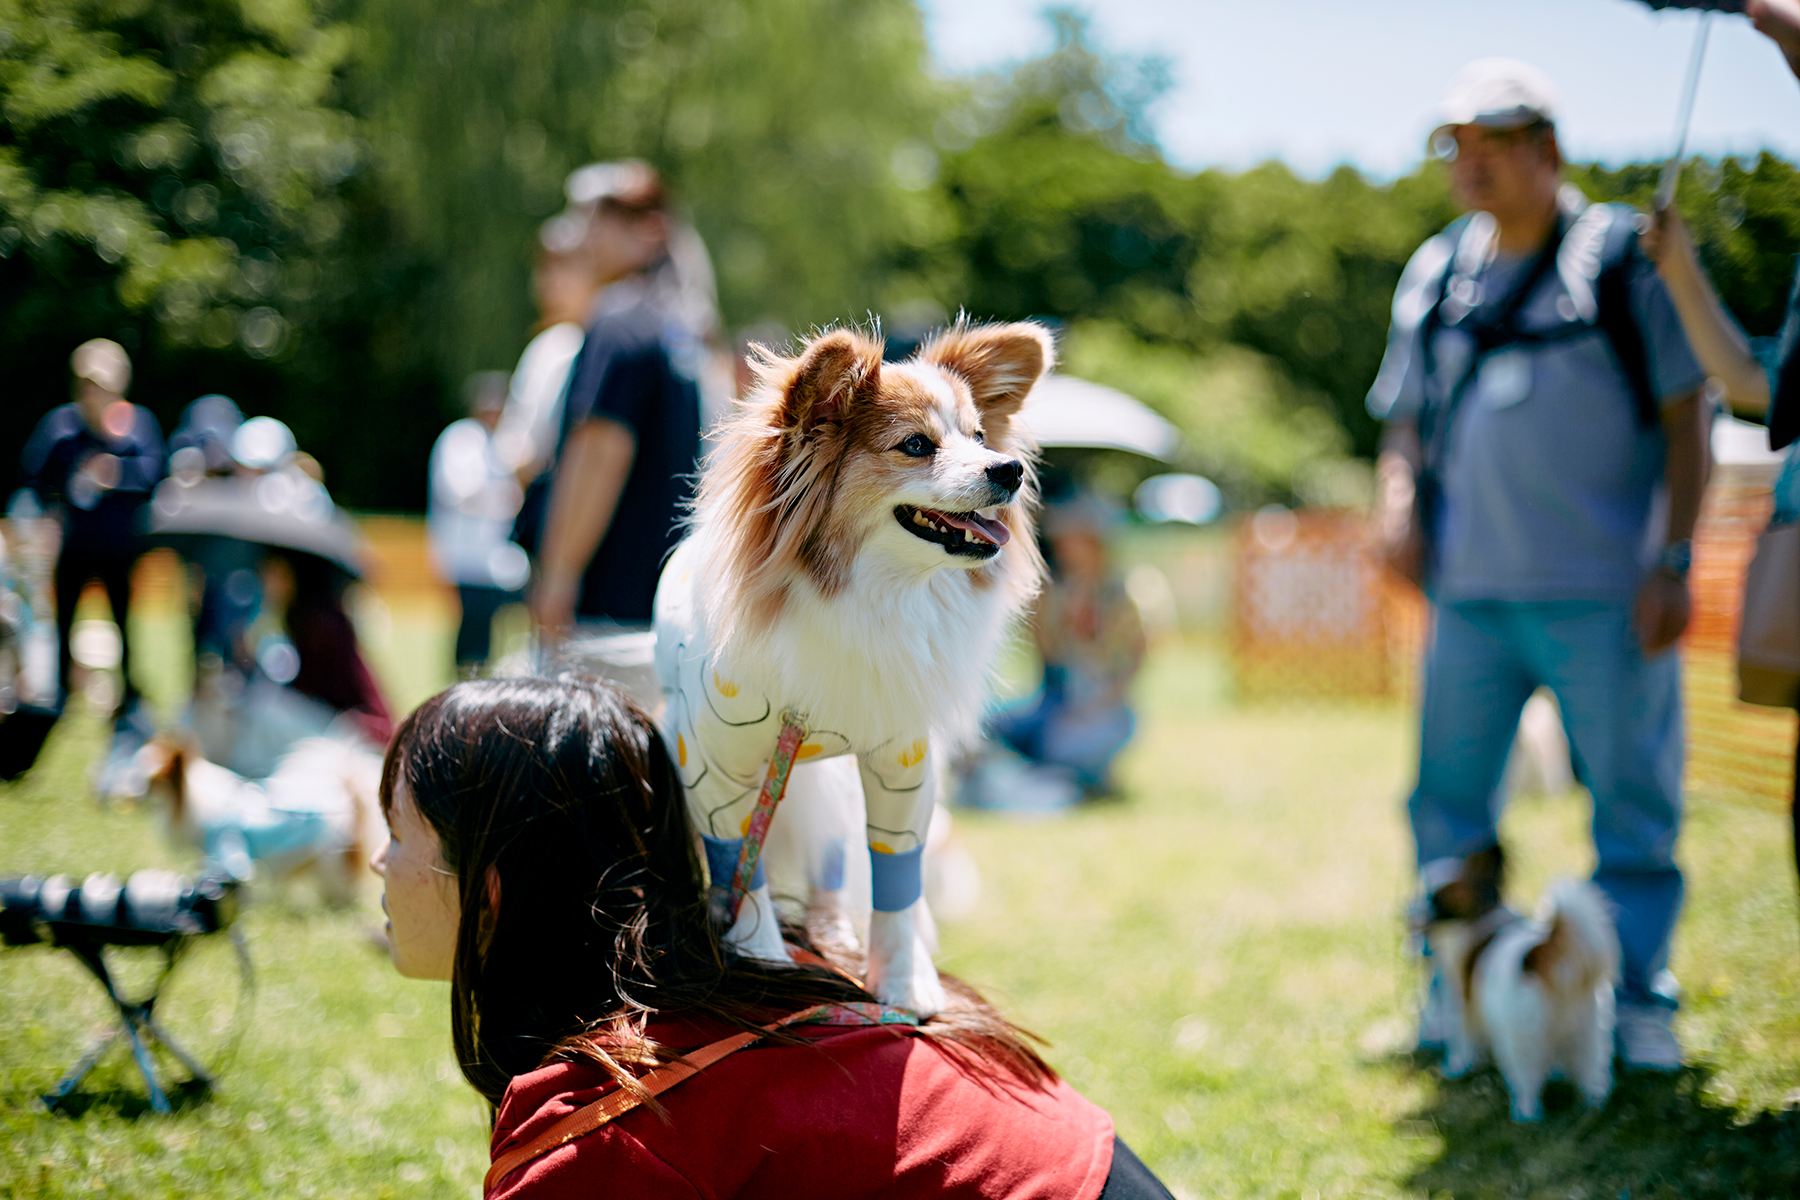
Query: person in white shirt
[[475, 496]]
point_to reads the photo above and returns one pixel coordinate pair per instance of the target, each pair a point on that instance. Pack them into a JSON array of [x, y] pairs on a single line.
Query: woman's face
[[419, 895]]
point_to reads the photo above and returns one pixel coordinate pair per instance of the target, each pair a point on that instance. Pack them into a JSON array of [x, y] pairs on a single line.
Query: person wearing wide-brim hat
[[1541, 476], [95, 460]]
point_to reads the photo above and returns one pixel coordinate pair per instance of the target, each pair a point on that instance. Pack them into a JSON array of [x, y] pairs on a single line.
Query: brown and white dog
[[318, 816], [861, 542], [1537, 995]]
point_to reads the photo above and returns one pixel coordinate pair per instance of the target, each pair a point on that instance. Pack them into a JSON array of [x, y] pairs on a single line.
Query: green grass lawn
[[1215, 957]]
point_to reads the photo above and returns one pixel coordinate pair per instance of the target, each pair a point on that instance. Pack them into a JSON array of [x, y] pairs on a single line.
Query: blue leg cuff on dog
[[831, 866], [721, 861], [896, 880]]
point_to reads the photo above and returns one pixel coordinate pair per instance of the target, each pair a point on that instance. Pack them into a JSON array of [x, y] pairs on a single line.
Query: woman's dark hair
[[564, 791]]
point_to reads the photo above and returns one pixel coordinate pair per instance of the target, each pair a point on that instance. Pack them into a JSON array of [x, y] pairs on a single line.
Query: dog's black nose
[[1009, 474]]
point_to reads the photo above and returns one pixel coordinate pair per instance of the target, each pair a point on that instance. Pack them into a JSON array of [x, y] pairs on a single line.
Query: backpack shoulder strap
[[1452, 237], [1621, 260]]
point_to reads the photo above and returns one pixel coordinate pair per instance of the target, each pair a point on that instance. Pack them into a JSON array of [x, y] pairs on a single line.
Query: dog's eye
[[980, 438], [917, 446]]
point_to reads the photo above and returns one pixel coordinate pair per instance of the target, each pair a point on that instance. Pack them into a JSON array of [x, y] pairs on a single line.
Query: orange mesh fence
[[1309, 619], [1314, 618], [1736, 751]]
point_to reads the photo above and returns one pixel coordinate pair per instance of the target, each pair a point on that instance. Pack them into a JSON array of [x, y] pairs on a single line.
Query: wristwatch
[[1676, 558]]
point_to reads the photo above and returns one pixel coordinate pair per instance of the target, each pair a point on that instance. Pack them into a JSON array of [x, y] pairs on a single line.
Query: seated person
[[1092, 641], [542, 861], [307, 676]]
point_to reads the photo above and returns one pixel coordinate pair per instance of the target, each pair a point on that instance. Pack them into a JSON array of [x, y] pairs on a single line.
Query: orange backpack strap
[[617, 1103]]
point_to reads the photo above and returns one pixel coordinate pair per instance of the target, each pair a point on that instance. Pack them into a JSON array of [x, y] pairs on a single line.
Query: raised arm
[[589, 480], [1717, 341]]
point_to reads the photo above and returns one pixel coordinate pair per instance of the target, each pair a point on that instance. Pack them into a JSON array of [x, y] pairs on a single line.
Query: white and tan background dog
[[1535, 994], [861, 541]]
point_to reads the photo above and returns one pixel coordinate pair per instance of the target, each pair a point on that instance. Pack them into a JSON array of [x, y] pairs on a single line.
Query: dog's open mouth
[[968, 533]]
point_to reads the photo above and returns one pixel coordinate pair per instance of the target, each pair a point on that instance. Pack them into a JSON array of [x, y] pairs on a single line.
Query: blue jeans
[[1622, 713], [1045, 730]]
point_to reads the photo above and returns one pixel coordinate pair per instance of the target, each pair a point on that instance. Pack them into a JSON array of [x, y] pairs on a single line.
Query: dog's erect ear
[[167, 765], [1000, 363], [830, 373]]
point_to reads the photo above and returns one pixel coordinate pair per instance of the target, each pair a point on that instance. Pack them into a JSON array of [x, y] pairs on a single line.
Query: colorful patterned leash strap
[[853, 1013], [781, 765]]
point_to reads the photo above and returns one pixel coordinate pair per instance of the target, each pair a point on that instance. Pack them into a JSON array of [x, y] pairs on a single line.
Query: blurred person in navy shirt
[[96, 460], [630, 432]]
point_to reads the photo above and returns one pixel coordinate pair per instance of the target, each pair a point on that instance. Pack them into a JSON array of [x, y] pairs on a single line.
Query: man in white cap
[[1541, 475], [97, 459]]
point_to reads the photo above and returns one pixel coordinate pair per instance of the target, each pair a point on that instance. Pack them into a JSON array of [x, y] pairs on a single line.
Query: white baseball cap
[[1496, 93], [263, 443], [104, 362]]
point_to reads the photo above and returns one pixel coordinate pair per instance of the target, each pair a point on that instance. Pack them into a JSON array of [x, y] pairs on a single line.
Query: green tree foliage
[[1305, 273], [334, 222], [328, 211], [779, 126], [1251, 309], [179, 175], [1745, 217], [1247, 425], [191, 144], [1060, 205]]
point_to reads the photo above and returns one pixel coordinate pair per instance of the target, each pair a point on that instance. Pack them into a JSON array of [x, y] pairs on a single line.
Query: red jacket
[[865, 1111]]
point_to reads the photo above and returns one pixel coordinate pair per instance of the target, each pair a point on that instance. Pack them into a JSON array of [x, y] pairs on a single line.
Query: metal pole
[[1665, 187]]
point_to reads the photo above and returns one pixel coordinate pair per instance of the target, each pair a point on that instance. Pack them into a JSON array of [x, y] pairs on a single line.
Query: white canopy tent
[[1065, 411]]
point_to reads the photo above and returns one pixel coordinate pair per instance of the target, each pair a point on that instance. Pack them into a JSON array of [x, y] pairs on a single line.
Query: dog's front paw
[[757, 931], [829, 925], [1597, 1088], [1527, 1111], [1458, 1062], [901, 973]]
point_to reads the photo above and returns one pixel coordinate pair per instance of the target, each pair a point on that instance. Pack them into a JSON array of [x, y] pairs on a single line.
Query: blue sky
[[1317, 83]]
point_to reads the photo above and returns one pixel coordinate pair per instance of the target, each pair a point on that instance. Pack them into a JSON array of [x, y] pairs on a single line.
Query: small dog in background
[[1537, 995], [318, 815]]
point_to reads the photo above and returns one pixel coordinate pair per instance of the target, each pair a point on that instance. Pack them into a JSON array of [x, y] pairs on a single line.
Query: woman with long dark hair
[[542, 861]]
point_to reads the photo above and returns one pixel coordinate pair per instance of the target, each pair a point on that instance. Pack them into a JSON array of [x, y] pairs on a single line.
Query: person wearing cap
[[96, 459], [1545, 452], [630, 429]]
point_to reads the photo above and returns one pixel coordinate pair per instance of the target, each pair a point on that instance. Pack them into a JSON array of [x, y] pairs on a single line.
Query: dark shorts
[[1130, 1179]]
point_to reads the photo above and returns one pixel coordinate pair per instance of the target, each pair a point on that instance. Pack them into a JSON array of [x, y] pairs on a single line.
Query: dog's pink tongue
[[980, 526]]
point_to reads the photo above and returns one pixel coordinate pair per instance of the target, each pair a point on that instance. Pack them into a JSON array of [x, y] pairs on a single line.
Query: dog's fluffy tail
[[1581, 951]]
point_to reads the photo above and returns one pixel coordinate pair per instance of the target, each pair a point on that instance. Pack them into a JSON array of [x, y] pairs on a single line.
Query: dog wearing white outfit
[[861, 541]]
